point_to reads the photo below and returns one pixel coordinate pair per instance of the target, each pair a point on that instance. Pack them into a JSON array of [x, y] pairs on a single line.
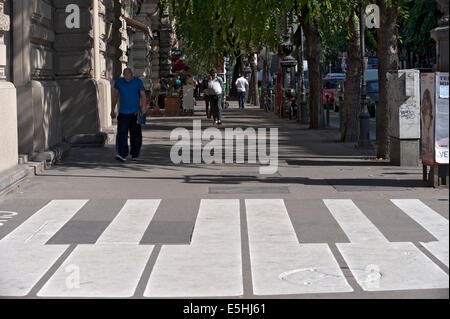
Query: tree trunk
[[299, 57], [387, 37], [254, 83], [352, 93], [236, 71], [267, 60], [313, 53]]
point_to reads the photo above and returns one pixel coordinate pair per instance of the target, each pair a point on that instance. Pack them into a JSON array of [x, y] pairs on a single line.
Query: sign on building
[[176, 53]]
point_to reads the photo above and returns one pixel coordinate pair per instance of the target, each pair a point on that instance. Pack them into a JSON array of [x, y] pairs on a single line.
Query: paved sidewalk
[[311, 162], [307, 231], [308, 159]]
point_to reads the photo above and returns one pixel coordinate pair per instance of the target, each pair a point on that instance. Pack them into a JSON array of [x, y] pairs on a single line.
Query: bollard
[[328, 109], [308, 101], [364, 127], [376, 121]]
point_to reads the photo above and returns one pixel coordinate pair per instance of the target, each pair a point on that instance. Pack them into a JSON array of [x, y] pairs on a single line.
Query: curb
[[13, 177], [88, 140], [10, 179]]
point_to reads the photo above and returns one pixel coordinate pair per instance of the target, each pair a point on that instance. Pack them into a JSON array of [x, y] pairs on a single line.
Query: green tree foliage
[[211, 29], [422, 16]]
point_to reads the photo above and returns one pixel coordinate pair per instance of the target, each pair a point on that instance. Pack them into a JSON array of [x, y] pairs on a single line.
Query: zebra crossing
[[401, 265], [275, 250], [212, 264]]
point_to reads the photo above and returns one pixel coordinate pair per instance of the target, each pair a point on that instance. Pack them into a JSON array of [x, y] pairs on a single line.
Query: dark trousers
[[128, 123], [206, 97], [241, 99], [216, 106]]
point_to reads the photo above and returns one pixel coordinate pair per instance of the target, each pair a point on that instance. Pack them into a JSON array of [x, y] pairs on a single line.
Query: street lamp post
[[303, 104], [364, 130], [288, 64], [228, 75], [247, 73]]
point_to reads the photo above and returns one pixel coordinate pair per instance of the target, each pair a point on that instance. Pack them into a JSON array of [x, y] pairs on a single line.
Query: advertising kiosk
[[435, 127]]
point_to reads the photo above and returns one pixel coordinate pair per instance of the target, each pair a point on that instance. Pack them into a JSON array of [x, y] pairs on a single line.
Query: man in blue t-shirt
[[131, 91]]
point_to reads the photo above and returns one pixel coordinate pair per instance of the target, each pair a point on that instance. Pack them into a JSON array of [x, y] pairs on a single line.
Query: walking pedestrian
[[242, 88], [131, 92], [206, 96], [216, 96], [194, 84]]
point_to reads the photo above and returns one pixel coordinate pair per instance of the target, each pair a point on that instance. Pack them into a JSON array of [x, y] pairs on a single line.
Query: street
[[332, 222]]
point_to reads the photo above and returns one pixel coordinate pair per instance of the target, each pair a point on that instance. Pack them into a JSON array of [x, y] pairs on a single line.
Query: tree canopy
[[211, 29]]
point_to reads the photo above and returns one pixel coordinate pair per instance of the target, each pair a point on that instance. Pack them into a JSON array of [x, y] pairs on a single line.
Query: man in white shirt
[[242, 88], [216, 96]]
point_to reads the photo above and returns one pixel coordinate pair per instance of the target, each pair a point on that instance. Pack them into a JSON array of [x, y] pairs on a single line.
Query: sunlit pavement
[[332, 222]]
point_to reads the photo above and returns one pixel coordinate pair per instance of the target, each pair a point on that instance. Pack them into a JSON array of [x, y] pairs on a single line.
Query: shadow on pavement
[[298, 146]]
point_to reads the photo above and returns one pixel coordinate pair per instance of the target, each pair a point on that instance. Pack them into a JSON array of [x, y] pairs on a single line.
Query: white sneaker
[[120, 158]]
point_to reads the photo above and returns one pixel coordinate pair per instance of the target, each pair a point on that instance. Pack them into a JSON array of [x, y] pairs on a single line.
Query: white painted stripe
[[439, 249], [114, 265], [23, 265], [211, 265], [377, 264], [46, 222], [392, 266], [101, 270], [131, 223], [434, 223], [280, 265], [353, 222]]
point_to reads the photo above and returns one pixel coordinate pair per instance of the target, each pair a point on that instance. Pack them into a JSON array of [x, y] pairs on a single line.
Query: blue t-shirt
[[130, 97]]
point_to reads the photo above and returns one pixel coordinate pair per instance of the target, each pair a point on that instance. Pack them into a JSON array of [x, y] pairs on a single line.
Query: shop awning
[[178, 65], [138, 25]]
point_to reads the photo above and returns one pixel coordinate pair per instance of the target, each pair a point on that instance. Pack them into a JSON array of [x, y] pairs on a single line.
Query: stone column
[[102, 80], [440, 35], [116, 50], [165, 45], [85, 92], [123, 36], [141, 50], [8, 105], [37, 92], [154, 17]]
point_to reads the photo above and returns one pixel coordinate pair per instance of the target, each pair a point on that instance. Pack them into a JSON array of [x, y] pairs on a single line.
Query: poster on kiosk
[[435, 118]]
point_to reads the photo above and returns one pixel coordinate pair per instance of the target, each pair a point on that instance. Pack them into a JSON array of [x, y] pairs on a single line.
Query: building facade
[[58, 63]]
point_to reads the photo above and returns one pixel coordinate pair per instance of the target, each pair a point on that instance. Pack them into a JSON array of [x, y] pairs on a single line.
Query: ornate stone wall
[[64, 75], [116, 50], [161, 63], [141, 49], [86, 112], [8, 105], [4, 33], [154, 20], [166, 41], [34, 76]]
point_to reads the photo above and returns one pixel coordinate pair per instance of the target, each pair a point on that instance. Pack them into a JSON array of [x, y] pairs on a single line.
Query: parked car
[[372, 92], [330, 84]]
